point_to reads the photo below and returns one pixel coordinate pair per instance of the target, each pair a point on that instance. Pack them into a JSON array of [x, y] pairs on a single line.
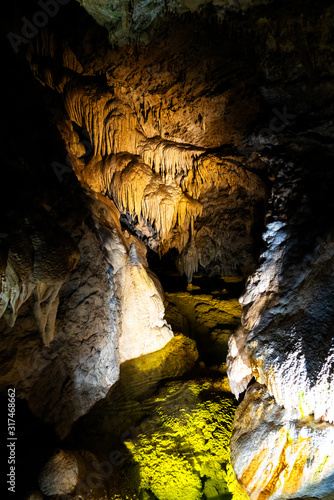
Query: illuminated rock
[[276, 454], [111, 309], [140, 319], [115, 417], [144, 328], [181, 450], [166, 137], [63, 381], [37, 262], [208, 318], [286, 339], [280, 449], [153, 154]]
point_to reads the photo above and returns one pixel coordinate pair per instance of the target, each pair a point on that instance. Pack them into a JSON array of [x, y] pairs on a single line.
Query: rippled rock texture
[[286, 342], [154, 141], [277, 454], [110, 310]]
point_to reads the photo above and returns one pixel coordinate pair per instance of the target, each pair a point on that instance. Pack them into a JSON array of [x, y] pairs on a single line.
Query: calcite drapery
[[37, 261], [152, 153]]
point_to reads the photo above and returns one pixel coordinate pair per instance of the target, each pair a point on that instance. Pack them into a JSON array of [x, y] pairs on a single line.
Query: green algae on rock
[[182, 449]]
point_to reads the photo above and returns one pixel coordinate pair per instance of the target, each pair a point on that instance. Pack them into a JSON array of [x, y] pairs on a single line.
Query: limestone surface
[[286, 339], [155, 146], [96, 327], [281, 447], [73, 474], [278, 455], [36, 261]]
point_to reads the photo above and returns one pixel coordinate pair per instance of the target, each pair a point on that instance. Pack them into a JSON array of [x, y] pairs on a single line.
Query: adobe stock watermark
[[11, 441], [278, 123], [104, 469], [60, 169], [30, 27]]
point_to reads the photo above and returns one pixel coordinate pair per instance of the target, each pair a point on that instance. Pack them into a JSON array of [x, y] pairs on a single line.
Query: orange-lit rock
[[157, 145], [277, 455], [283, 441], [177, 131]]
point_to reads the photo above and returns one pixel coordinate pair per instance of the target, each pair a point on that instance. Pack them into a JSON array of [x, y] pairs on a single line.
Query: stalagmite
[[143, 326]]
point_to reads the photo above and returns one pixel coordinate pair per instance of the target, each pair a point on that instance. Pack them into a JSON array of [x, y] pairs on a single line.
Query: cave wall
[[93, 330], [285, 341]]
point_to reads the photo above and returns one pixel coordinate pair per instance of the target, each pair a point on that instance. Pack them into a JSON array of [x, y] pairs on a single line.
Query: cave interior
[[167, 250]]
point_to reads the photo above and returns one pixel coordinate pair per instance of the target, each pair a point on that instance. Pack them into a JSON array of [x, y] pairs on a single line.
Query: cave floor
[[202, 315], [208, 311], [160, 394]]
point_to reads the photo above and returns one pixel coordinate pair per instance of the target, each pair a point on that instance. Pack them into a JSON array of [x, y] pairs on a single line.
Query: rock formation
[[65, 472], [94, 313], [277, 454], [39, 258], [286, 344], [169, 171], [181, 450]]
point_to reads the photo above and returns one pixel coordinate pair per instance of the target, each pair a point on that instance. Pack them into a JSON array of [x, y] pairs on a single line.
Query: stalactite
[[139, 191], [111, 124], [135, 183], [161, 184], [35, 266], [188, 261], [169, 158]]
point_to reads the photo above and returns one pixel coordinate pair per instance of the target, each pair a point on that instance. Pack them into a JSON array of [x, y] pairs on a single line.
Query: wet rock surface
[[286, 340], [277, 454], [207, 314]]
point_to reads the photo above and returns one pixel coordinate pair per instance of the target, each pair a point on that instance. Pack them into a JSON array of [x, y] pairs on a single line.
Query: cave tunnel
[[167, 250]]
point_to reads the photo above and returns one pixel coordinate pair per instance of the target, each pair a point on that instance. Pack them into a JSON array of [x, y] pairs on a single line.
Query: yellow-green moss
[[182, 451], [208, 318]]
